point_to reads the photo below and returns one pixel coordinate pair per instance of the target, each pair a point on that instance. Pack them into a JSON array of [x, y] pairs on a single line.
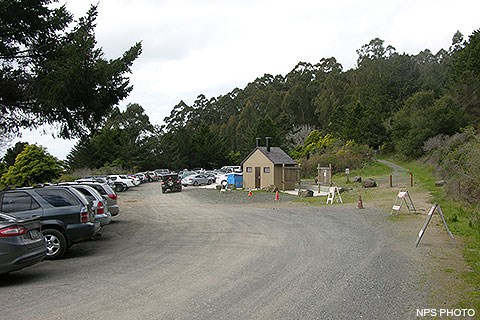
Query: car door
[[205, 179], [20, 204]]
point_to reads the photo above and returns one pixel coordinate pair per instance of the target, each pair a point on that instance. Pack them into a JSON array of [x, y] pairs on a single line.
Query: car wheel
[[195, 183], [209, 182], [118, 188], [56, 244], [224, 183]]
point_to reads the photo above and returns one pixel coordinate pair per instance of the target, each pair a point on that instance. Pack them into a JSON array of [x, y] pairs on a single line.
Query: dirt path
[[439, 261]]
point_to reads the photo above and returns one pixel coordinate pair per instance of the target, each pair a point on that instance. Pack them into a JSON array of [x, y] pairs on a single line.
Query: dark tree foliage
[[127, 139], [12, 153], [466, 77], [53, 74]]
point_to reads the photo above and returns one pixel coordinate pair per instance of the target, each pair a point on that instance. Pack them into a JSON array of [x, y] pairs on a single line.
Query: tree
[[466, 77], [33, 165], [12, 153], [424, 116], [207, 150], [125, 138], [51, 73]]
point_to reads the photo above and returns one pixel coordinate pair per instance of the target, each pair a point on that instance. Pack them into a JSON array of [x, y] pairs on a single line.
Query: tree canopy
[[53, 73], [390, 101]]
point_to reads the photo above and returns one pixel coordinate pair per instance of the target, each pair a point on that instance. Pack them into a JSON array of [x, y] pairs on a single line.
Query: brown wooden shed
[[266, 166]]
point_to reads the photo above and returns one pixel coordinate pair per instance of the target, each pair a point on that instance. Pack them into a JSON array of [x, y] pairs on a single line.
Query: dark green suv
[[65, 214], [172, 182]]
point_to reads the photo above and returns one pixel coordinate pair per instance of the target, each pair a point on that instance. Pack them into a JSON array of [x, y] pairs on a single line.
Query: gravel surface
[[203, 254]]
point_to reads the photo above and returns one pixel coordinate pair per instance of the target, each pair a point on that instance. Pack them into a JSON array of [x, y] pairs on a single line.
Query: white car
[[221, 179], [135, 179], [123, 179]]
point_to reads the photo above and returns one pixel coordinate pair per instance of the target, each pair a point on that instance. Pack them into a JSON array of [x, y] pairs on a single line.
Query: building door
[[258, 179]]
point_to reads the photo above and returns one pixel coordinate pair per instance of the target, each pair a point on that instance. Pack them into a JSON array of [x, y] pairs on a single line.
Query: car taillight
[[112, 196], [13, 231], [100, 208], [84, 215]]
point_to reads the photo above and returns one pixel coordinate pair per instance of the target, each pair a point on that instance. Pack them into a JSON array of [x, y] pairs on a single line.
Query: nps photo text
[[446, 313]]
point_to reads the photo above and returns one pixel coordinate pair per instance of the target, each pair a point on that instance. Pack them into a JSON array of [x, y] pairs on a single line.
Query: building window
[[249, 170], [266, 169]]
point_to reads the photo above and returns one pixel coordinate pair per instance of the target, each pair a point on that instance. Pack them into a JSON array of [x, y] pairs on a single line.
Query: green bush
[[349, 155], [33, 165]]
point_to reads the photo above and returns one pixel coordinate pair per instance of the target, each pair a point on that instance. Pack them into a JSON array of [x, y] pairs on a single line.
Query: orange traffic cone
[[360, 202], [277, 196], [250, 193]]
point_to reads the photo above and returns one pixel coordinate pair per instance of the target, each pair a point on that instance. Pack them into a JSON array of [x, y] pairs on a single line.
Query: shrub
[[345, 156]]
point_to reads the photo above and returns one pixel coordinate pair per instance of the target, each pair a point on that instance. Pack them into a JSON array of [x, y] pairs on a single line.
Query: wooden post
[[391, 181], [330, 174]]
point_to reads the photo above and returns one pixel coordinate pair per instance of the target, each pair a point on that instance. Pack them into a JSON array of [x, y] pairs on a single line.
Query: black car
[[65, 214], [171, 182], [21, 243]]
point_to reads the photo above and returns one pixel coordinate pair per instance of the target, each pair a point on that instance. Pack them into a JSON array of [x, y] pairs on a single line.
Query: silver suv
[[107, 193]]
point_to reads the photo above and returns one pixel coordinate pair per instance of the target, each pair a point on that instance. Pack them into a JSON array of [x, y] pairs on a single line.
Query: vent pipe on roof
[[267, 139], [257, 142]]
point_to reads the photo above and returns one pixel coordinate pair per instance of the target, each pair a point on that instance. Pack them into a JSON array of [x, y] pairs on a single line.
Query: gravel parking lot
[[206, 254]]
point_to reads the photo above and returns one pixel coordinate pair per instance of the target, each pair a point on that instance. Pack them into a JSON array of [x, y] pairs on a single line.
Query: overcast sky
[[213, 46]]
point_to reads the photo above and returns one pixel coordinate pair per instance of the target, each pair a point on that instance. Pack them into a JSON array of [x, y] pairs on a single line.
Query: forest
[[416, 106]]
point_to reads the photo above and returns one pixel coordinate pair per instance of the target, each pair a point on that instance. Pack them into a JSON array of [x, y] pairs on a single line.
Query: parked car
[[196, 180], [100, 179], [98, 203], [221, 179], [65, 214], [142, 177], [171, 182], [161, 172], [229, 169], [21, 243], [122, 182], [152, 176], [107, 193], [186, 173], [135, 179]]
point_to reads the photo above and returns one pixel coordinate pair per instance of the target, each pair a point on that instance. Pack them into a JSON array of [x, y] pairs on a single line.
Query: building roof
[[276, 155]]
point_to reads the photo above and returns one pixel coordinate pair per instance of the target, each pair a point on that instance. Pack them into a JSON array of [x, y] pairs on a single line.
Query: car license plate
[[35, 234]]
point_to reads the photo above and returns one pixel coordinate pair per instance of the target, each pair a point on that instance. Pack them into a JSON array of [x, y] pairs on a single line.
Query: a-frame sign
[[403, 197], [434, 208], [332, 191]]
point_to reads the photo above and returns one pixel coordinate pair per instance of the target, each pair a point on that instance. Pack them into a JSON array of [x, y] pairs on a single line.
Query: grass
[[382, 197]]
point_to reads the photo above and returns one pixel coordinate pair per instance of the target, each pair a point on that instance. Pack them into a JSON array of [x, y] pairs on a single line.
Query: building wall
[[258, 159], [275, 176]]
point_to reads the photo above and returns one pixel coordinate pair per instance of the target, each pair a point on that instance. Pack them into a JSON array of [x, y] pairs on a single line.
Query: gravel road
[[203, 254]]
